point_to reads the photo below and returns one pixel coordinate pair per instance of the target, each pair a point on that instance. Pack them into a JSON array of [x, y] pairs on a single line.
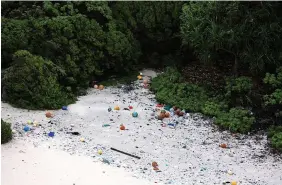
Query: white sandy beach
[[188, 154]]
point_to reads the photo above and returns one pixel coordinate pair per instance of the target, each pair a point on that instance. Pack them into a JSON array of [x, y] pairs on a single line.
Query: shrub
[[6, 132], [31, 82], [236, 120], [170, 89], [238, 91], [275, 137]]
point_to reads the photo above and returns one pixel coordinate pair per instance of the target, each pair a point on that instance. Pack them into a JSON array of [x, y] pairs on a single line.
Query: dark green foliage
[[275, 135], [31, 82], [171, 90], [247, 33], [236, 120], [238, 90], [6, 132]]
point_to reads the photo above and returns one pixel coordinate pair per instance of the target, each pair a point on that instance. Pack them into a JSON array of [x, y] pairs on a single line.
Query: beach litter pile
[[126, 128]]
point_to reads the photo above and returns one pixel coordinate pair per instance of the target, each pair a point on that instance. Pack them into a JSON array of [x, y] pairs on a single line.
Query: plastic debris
[[64, 108], [82, 139], [51, 134], [134, 114], [109, 109], [100, 152], [29, 122], [116, 108], [106, 125], [233, 183], [48, 115], [26, 128]]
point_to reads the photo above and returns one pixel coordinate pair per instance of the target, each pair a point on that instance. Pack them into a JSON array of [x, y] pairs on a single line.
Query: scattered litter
[[74, 133], [126, 153], [51, 134], [101, 87], [64, 108], [48, 115], [135, 114], [26, 128], [100, 152], [82, 139], [116, 108], [106, 125], [122, 127], [109, 109], [223, 145]]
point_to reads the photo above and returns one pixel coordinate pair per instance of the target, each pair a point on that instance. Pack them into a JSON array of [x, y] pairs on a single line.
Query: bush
[[275, 137], [6, 132], [170, 89], [31, 82], [236, 120]]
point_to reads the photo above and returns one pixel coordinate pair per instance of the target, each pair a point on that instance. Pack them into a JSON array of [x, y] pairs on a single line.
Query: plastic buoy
[[135, 114], [101, 87], [155, 164], [122, 127], [48, 114], [26, 128], [51, 134], [100, 152], [233, 183], [223, 145]]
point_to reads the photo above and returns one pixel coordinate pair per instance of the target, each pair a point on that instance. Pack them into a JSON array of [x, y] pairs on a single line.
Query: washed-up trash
[[139, 77], [155, 164], [51, 134], [233, 183], [126, 153], [229, 172], [109, 109], [130, 107], [29, 122], [105, 161], [96, 86], [48, 115], [100, 152], [163, 125], [134, 114], [122, 127], [167, 107], [74, 133], [64, 108], [82, 139], [35, 123], [101, 87], [159, 105], [116, 108], [106, 125], [223, 145], [26, 128]]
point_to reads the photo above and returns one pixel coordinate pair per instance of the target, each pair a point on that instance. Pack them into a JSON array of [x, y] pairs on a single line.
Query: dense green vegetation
[[224, 59], [6, 132]]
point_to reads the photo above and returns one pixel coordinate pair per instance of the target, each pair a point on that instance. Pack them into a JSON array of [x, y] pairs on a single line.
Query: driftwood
[[126, 153]]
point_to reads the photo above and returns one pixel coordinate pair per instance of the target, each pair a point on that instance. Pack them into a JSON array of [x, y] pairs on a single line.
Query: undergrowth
[[171, 89], [6, 132]]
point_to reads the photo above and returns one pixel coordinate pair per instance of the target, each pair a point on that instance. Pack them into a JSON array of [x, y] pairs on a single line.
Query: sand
[[186, 154]]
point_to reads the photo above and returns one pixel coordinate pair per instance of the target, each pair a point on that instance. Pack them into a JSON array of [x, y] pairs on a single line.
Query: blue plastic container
[[51, 134], [64, 108]]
